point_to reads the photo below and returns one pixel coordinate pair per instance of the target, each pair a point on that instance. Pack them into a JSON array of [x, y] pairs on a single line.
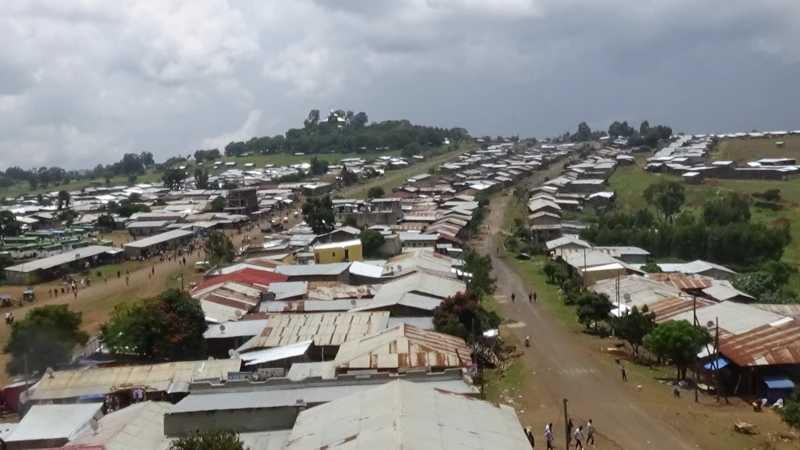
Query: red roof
[[245, 276]]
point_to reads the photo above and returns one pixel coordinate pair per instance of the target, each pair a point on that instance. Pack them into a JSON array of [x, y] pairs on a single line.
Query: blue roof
[[718, 364], [778, 382]]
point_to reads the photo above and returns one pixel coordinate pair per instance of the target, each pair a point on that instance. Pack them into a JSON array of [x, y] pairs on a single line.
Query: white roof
[[159, 238], [336, 245], [555, 243], [699, 266], [45, 422], [366, 269], [137, 427], [276, 353], [242, 328], [403, 415], [735, 318], [722, 292], [57, 260]]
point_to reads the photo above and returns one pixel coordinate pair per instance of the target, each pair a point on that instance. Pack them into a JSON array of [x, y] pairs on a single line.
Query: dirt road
[[568, 370]]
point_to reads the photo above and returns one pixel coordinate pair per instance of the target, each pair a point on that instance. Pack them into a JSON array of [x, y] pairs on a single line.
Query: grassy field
[[744, 150], [629, 183]]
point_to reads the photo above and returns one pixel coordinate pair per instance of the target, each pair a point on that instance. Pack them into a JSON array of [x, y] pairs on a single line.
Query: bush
[[462, 315]]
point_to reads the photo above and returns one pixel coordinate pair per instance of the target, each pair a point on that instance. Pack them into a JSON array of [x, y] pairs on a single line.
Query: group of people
[[531, 297], [577, 435]]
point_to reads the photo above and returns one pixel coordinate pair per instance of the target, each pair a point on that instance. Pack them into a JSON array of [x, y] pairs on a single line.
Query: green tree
[[554, 273], [168, 327], [63, 199], [208, 440], [462, 315], [219, 204], [46, 336], [790, 413], [644, 127], [318, 214], [652, 267], [348, 177], [201, 178], [593, 308], [634, 326], [173, 178], [667, 197], [371, 241], [219, 249], [479, 267], [106, 222], [678, 341], [318, 166], [8, 224], [375, 192], [727, 209], [584, 133]]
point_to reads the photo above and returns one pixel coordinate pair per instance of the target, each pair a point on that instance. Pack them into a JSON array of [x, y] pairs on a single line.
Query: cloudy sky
[[84, 81]]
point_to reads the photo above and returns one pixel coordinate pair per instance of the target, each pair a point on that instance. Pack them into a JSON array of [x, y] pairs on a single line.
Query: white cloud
[[247, 130]]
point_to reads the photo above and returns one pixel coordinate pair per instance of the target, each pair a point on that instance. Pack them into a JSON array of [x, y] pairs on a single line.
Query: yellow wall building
[[338, 252]]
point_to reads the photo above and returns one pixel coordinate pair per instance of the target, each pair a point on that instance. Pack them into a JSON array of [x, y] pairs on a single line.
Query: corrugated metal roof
[[137, 427], [324, 328], [228, 301], [682, 281], [44, 422], [642, 291], [765, 345], [403, 346], [303, 306], [408, 299], [312, 269], [276, 353], [154, 377], [241, 328], [159, 238], [734, 318], [669, 307], [401, 415]]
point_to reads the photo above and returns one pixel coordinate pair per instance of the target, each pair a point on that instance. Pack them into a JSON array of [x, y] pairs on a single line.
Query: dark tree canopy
[[208, 440], [462, 315], [479, 267], [371, 241], [375, 192], [790, 413], [634, 326], [318, 214], [679, 341], [593, 308], [173, 178], [219, 204], [47, 336], [667, 197], [169, 327], [218, 248]]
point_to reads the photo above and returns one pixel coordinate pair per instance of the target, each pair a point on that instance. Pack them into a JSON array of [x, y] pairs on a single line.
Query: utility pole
[[583, 278], [566, 426], [694, 322]]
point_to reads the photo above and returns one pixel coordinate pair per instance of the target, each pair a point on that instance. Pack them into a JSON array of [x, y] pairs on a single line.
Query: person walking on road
[[513, 297], [570, 426], [624, 374], [529, 435], [127, 280], [579, 438], [548, 436], [590, 433], [534, 296], [530, 297]]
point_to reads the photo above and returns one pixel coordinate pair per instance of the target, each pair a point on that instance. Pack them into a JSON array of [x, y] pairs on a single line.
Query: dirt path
[[566, 369], [97, 301]]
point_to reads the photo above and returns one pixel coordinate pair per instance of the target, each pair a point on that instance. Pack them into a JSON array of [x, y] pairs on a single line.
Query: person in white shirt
[[579, 438], [590, 433], [548, 436]]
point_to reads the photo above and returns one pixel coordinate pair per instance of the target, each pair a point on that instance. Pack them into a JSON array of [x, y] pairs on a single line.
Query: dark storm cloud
[[94, 79]]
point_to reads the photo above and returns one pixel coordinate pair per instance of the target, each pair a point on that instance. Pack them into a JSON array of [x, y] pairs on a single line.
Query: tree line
[[347, 132], [717, 235]]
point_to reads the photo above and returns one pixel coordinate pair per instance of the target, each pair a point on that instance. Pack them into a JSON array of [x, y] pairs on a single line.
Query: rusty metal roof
[[766, 345], [403, 346], [669, 307], [681, 281], [322, 328]]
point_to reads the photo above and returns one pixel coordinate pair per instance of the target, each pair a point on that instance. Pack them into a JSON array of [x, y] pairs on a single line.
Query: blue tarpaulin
[[718, 364], [778, 382]]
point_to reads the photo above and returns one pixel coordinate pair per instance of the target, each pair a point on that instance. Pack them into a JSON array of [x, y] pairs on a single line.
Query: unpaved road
[[566, 369]]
